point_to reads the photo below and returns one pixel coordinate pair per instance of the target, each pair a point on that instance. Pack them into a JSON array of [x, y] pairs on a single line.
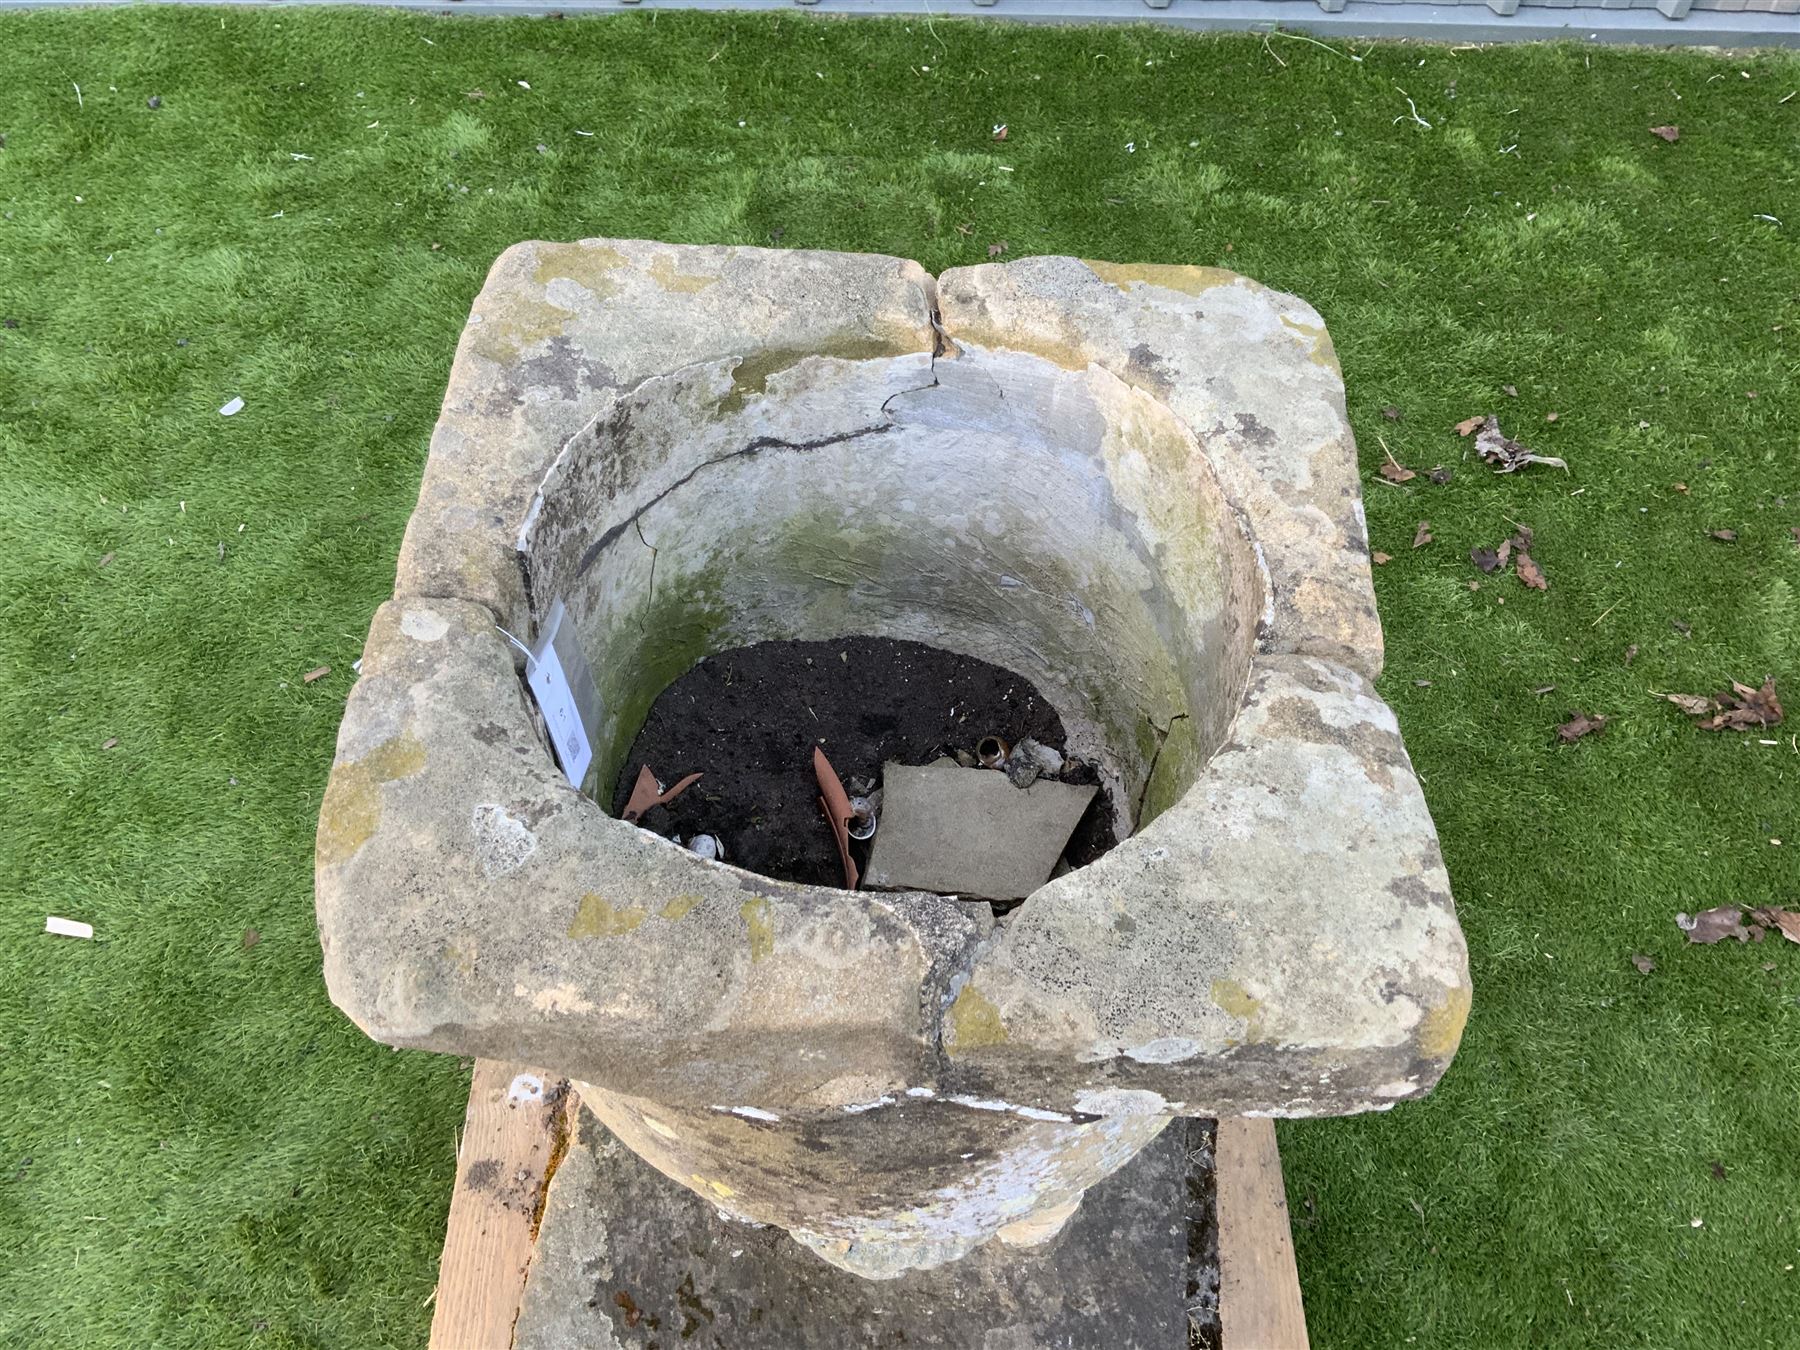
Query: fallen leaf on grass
[[250, 939], [1787, 921], [1487, 559], [1670, 134], [997, 248], [109, 742], [1379, 558], [1422, 535], [1000, 132], [1468, 424], [1714, 925], [1643, 963], [1694, 705], [1743, 709], [1680, 487], [1581, 724], [1717, 1169], [1510, 390], [1396, 472], [1506, 454], [316, 673], [1391, 413], [1551, 417], [1529, 572], [1723, 536], [1685, 629]]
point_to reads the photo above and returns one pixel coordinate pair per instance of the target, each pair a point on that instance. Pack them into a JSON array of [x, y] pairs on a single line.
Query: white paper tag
[[551, 685]]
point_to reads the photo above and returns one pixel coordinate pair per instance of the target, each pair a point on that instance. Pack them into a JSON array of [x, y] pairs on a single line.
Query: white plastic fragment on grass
[[233, 408], [68, 927]]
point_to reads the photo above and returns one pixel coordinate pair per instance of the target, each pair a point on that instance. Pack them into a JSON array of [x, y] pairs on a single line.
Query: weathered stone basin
[[1135, 486]]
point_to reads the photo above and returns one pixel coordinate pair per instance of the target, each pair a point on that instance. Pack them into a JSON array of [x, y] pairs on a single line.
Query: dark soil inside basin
[[748, 720]]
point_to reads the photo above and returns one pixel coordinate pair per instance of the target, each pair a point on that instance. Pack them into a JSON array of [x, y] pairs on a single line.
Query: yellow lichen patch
[[351, 811], [1322, 353], [464, 961], [717, 1188], [1170, 276], [598, 917], [663, 273], [1441, 1029], [1239, 1002], [751, 374], [589, 267], [758, 919], [974, 1021], [507, 329], [678, 907], [1070, 355]]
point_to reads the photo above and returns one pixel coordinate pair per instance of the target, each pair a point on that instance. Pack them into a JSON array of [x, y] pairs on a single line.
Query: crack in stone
[[755, 447], [1162, 737]]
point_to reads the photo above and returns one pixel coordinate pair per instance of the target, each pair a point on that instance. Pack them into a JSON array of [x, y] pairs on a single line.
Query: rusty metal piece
[[835, 803], [991, 751], [647, 792]]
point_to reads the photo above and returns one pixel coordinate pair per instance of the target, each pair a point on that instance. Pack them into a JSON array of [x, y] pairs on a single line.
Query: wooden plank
[[1259, 1284], [513, 1136]]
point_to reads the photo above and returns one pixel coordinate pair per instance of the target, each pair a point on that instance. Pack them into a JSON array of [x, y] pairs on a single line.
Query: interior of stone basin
[[1057, 523]]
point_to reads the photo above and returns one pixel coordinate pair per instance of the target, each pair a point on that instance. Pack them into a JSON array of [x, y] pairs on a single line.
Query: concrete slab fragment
[[964, 831]]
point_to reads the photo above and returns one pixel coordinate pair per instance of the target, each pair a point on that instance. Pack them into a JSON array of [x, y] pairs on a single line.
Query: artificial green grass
[[197, 1150]]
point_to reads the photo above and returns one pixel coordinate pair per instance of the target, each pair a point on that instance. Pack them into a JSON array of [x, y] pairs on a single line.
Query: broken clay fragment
[[648, 792]]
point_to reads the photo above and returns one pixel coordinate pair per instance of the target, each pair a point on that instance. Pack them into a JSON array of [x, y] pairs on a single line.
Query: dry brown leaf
[[1422, 535], [1510, 390], [106, 559], [997, 248], [1581, 724], [1396, 472], [1392, 413], [1643, 963], [1680, 487], [1468, 424], [316, 673], [1506, 454], [1379, 558], [1787, 921], [1551, 417], [250, 939], [1694, 705], [1487, 559], [1000, 132], [1529, 572], [1723, 536], [1745, 708], [1670, 134], [1714, 925]]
